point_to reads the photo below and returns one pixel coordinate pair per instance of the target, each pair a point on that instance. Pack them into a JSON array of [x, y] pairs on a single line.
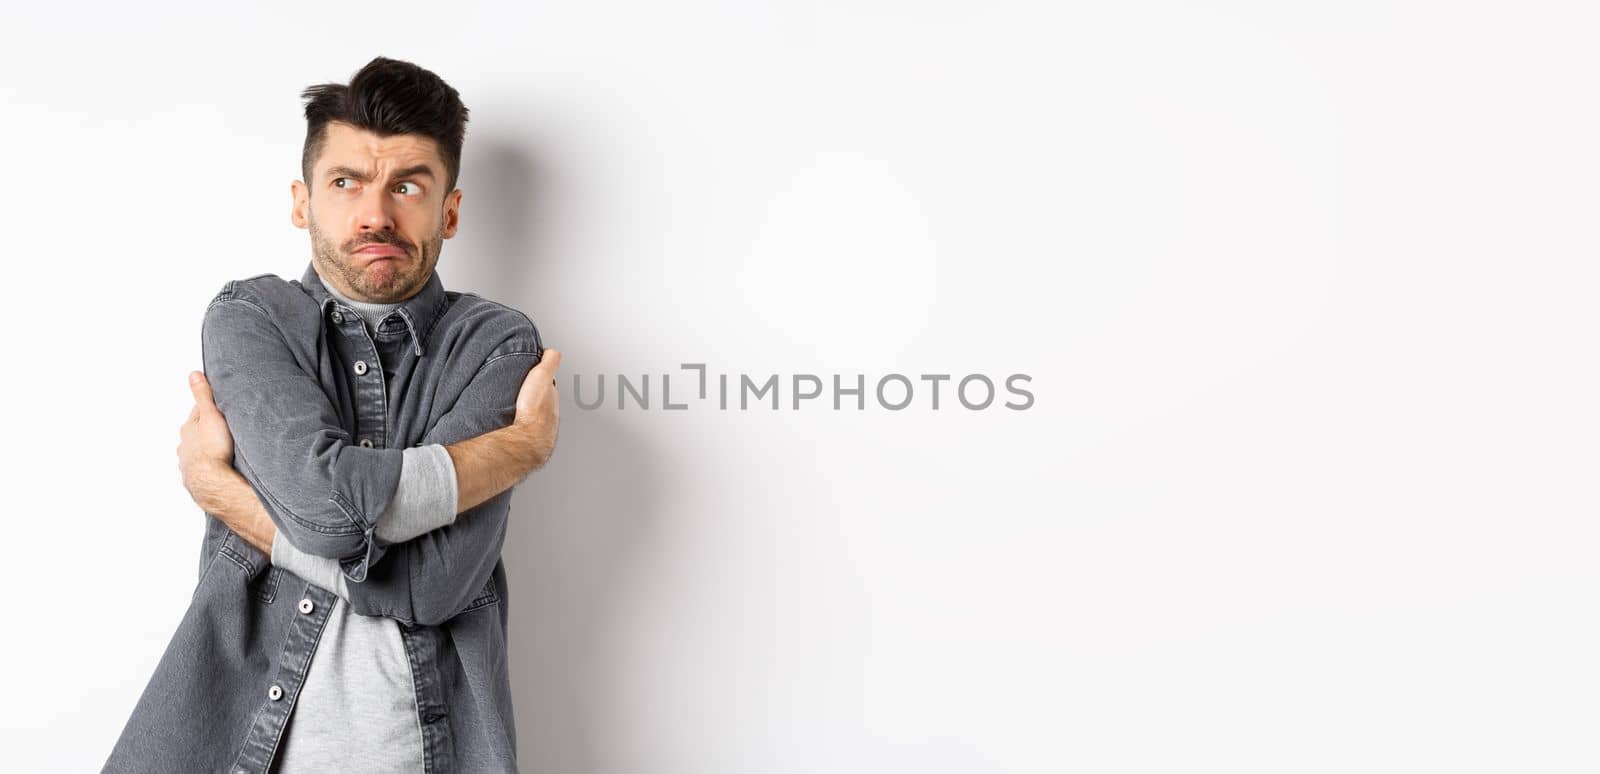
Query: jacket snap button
[[361, 367], [337, 317], [274, 693], [367, 442], [306, 606]]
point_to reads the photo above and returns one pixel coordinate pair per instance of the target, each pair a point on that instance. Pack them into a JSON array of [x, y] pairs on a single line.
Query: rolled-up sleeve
[[322, 491], [427, 497], [425, 501]]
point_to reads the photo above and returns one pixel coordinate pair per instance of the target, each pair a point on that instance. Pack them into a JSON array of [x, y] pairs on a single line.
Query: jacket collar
[[419, 312]]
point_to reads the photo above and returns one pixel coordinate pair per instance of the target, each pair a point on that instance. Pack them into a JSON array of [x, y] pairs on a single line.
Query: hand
[[205, 448], [539, 406]]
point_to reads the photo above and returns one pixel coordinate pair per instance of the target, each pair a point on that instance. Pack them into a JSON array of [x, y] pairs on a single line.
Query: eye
[[415, 189], [338, 180]]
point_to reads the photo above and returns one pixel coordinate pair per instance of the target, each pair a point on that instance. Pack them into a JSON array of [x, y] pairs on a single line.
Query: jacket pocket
[[265, 584], [488, 596]]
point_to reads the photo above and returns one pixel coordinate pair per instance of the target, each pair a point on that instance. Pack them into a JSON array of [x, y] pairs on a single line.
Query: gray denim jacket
[[320, 411]]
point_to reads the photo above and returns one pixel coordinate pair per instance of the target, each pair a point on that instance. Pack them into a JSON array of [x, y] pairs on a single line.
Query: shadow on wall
[[576, 525]]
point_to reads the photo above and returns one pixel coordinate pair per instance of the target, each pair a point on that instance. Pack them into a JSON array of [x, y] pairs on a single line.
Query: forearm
[[485, 466], [232, 500], [493, 462]]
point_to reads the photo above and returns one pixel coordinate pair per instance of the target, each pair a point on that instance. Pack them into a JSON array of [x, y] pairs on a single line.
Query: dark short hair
[[388, 97]]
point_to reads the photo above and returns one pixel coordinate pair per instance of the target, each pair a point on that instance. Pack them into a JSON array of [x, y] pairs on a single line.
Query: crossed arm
[[298, 473]]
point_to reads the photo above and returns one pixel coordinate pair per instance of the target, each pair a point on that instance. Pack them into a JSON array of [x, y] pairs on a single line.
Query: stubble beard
[[385, 285]]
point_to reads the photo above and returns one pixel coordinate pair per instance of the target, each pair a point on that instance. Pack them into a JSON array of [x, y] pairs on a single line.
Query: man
[[356, 436]]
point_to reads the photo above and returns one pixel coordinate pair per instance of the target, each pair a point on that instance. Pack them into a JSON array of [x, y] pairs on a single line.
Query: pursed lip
[[382, 250]]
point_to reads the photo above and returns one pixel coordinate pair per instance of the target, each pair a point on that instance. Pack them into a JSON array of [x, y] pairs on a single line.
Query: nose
[[373, 210]]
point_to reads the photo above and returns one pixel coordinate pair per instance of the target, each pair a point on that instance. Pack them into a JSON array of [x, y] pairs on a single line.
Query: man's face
[[377, 212]]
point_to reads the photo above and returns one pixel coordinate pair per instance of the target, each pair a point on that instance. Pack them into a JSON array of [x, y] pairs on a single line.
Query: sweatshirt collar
[[419, 312]]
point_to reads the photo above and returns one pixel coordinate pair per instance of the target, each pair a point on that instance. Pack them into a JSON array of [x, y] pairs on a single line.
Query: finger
[[549, 361], [201, 389]]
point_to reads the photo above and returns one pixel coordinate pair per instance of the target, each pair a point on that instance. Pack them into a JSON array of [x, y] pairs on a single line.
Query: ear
[[299, 212], [452, 212]]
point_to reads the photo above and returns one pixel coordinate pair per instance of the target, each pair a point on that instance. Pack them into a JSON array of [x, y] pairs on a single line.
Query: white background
[[1308, 296]]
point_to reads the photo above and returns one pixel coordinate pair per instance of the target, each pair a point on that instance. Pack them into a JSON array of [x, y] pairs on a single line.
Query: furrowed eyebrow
[[359, 174], [419, 170]]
